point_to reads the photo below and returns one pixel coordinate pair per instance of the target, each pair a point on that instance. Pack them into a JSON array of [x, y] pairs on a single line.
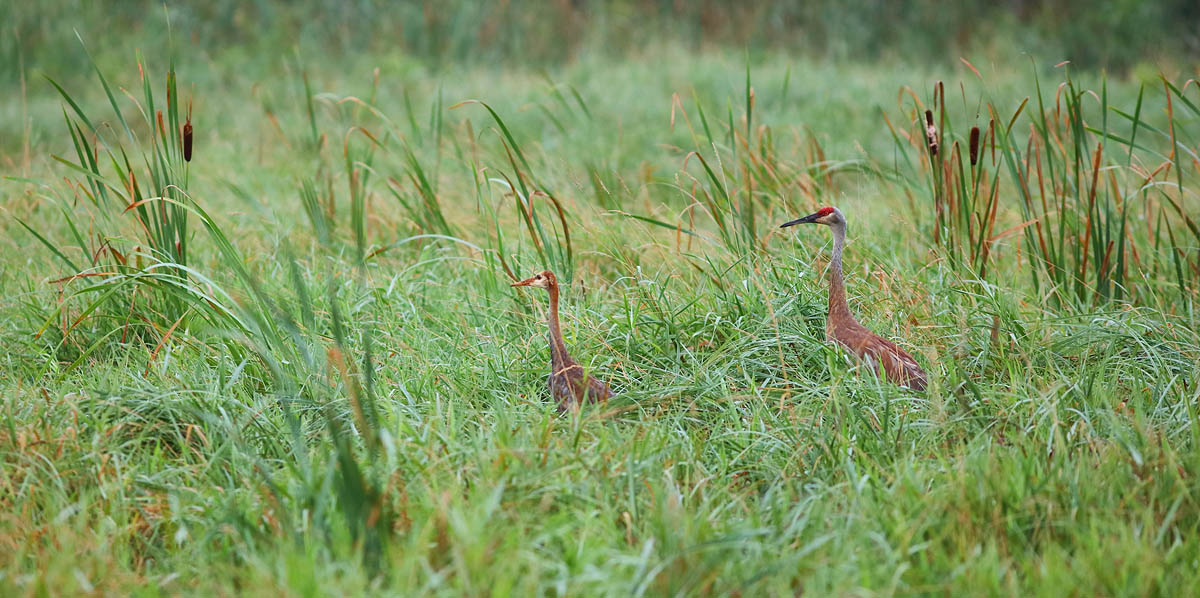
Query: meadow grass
[[345, 397]]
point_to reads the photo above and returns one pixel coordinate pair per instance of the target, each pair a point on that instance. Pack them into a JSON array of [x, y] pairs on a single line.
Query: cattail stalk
[[974, 145], [187, 140], [187, 135]]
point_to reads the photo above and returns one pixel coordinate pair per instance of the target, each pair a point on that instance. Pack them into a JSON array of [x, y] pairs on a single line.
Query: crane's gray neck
[[558, 350], [838, 308]]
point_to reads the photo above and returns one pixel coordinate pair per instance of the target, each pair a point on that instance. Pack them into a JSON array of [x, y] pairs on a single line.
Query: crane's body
[[569, 384], [841, 327]]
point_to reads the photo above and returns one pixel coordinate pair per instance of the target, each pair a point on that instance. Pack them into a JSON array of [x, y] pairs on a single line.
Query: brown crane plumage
[[897, 366], [570, 385]]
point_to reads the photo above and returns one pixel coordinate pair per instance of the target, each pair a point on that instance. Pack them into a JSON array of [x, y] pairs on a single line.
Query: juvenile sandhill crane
[[840, 325], [569, 384]]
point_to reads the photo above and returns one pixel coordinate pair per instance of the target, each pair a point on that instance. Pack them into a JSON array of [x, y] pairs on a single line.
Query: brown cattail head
[[187, 140], [931, 136], [974, 146], [161, 129]]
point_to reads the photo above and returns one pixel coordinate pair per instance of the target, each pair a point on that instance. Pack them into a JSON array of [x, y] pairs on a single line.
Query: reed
[[962, 194], [1077, 204], [128, 208], [548, 232], [742, 182], [1103, 223]]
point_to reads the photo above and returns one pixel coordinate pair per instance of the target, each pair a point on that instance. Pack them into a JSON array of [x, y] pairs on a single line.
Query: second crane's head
[[829, 216], [543, 280]]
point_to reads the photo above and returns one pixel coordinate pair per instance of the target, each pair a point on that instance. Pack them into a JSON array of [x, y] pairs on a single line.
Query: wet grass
[[369, 414]]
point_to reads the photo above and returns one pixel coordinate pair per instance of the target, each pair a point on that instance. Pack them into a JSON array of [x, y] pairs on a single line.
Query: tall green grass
[[1104, 194], [128, 215], [154, 291], [370, 415], [740, 181], [960, 178]]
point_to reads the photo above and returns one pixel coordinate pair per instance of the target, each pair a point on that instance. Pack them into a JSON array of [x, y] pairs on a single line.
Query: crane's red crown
[[817, 217]]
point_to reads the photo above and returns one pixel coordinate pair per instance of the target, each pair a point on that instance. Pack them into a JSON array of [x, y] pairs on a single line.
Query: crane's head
[[828, 216], [543, 280]]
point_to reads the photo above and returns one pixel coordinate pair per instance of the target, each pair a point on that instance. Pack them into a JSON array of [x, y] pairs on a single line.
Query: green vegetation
[[286, 360]]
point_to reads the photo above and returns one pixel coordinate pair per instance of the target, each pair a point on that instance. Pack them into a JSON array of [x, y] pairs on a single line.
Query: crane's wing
[[898, 366], [572, 386]]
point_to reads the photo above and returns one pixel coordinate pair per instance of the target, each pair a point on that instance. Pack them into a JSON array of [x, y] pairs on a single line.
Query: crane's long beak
[[523, 283], [805, 220]]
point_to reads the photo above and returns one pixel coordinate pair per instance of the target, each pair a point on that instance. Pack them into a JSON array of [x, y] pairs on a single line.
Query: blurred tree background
[[1112, 34]]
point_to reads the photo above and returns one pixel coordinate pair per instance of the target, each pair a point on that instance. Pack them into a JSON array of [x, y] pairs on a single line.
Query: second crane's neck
[[838, 308], [558, 350]]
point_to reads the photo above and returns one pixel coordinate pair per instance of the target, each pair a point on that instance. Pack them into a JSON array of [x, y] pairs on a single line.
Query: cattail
[[161, 129], [187, 134], [931, 136], [974, 146], [187, 141]]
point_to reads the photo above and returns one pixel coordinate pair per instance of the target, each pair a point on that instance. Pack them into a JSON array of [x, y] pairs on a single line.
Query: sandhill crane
[[569, 384], [840, 325]]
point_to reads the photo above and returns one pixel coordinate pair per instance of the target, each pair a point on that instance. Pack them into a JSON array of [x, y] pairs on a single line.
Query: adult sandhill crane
[[569, 384], [841, 327]]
